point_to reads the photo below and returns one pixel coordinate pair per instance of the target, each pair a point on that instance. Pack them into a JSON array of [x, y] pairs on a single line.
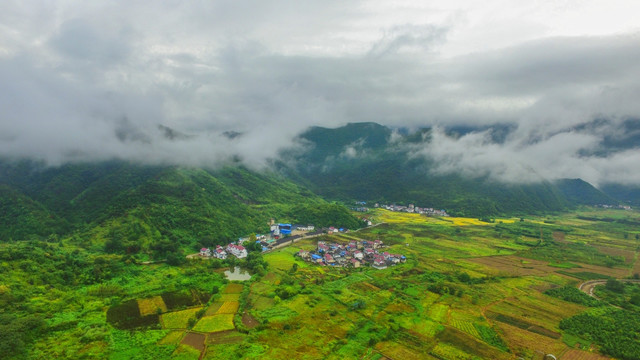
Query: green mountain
[[364, 161], [578, 191], [130, 208]]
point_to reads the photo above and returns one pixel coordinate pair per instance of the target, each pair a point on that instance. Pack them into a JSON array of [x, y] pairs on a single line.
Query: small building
[[205, 252], [220, 253], [355, 263], [237, 250]]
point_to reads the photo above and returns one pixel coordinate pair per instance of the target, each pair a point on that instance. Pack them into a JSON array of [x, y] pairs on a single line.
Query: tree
[[614, 285]]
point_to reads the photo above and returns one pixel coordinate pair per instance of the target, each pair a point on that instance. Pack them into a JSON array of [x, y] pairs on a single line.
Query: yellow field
[[151, 305], [228, 307], [233, 289], [178, 319], [229, 297], [215, 323], [171, 338]]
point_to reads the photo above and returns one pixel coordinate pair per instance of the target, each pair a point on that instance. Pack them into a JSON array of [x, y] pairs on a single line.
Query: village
[[411, 208], [355, 255]]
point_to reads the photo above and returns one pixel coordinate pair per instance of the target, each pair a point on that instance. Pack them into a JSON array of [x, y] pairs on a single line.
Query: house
[[355, 263], [358, 255], [377, 244], [220, 253], [329, 259], [379, 263], [205, 252], [237, 250], [303, 254]]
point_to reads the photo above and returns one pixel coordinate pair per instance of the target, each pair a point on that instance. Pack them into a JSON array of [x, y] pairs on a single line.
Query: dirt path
[[588, 286]]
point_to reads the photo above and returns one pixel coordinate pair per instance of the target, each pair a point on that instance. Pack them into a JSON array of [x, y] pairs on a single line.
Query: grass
[[215, 323], [178, 319]]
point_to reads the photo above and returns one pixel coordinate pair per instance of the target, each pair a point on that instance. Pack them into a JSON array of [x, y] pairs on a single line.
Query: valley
[[469, 289]]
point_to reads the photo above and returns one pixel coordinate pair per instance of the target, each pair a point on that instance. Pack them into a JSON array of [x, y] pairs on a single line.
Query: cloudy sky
[[92, 80]]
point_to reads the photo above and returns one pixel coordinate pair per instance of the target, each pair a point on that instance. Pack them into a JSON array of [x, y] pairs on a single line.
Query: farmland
[[470, 289]]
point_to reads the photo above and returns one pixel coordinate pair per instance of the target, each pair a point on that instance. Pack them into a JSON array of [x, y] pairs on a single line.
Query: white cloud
[[72, 71]]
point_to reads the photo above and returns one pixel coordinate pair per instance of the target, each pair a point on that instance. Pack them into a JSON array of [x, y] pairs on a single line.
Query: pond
[[237, 274]]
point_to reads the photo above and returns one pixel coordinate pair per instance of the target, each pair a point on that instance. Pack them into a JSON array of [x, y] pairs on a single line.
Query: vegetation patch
[[616, 331], [522, 324], [225, 337], [574, 295], [179, 319], [127, 316], [180, 299], [215, 323], [584, 275], [151, 305], [172, 338], [490, 336]]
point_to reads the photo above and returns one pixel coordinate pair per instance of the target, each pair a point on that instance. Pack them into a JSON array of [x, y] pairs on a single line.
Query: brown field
[[249, 321], [150, 306], [233, 289], [582, 355], [225, 337], [228, 307], [194, 340]]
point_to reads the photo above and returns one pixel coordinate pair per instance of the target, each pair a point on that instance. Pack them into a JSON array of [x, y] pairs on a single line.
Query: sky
[[93, 80]]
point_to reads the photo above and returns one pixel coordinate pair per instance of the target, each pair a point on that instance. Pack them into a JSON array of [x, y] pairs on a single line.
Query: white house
[[220, 253], [237, 250], [205, 252]]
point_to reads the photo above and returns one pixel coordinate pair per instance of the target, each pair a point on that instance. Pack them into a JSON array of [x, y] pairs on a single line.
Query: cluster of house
[[219, 252], [354, 254], [413, 209], [623, 207]]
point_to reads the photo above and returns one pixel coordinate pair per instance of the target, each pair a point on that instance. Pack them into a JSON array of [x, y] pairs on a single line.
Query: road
[[588, 286]]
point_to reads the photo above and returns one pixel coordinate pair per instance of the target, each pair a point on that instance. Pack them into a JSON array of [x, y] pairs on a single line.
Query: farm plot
[[233, 289], [228, 307], [438, 312], [249, 321], [151, 305], [582, 355], [225, 337], [172, 338], [213, 308], [194, 340], [178, 319], [215, 323], [466, 326]]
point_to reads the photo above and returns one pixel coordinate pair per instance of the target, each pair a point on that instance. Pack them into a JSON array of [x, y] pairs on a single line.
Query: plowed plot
[[194, 340], [225, 337], [233, 289], [228, 307], [249, 321], [151, 305], [582, 355]]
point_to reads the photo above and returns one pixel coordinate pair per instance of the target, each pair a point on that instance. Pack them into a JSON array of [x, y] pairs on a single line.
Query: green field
[[469, 289]]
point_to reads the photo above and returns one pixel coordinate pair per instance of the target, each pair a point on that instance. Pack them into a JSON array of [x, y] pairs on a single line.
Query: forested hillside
[[366, 161], [129, 208]]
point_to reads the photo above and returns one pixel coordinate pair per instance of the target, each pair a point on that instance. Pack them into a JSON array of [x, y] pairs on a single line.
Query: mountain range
[[130, 207]]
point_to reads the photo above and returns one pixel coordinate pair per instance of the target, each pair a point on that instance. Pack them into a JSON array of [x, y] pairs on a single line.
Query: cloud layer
[[92, 81]]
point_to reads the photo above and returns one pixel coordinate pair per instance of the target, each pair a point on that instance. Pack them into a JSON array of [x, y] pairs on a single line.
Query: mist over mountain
[[550, 96]]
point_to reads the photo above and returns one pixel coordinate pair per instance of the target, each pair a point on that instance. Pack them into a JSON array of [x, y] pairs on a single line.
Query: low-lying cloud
[[96, 80]]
